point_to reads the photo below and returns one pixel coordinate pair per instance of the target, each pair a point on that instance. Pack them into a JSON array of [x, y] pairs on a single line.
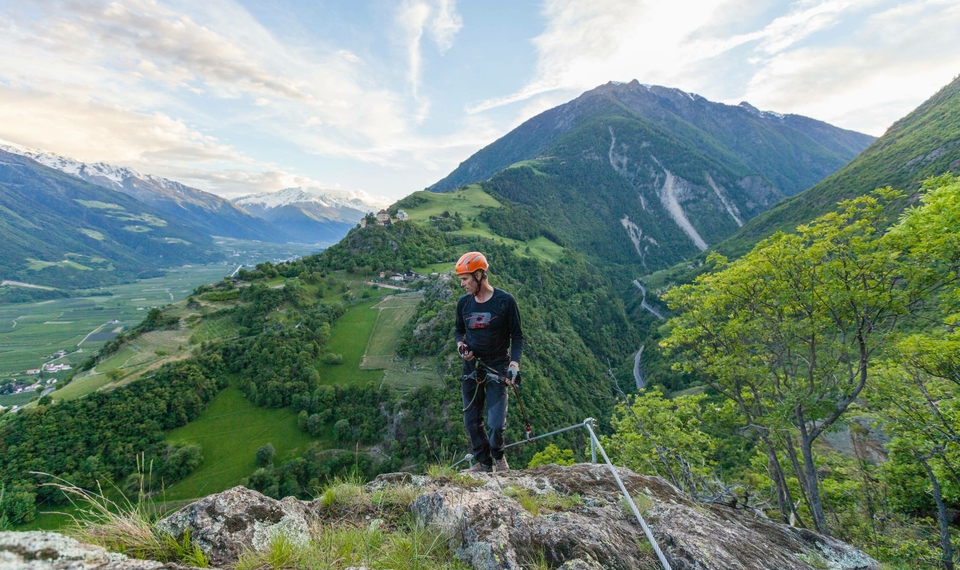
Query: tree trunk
[[813, 485], [946, 558], [784, 498], [798, 469]]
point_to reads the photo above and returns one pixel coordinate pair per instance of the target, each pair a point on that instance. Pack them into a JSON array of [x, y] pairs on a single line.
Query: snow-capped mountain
[[208, 212], [325, 198], [310, 215]]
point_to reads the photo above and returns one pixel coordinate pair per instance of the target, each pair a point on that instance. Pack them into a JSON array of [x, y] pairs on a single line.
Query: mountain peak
[[683, 114]]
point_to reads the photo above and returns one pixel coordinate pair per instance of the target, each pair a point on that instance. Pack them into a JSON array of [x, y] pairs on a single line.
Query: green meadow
[[394, 314], [349, 337], [230, 431], [470, 201]]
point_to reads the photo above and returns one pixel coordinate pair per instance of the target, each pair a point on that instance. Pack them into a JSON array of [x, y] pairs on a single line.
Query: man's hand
[[512, 372], [465, 353]]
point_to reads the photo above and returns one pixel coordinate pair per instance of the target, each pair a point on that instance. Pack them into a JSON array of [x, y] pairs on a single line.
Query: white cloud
[[440, 20], [858, 63], [898, 58], [412, 19], [141, 54], [445, 25], [90, 130]]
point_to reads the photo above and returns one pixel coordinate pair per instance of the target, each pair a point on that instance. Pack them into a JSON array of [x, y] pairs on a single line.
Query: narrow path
[[96, 330], [638, 376]]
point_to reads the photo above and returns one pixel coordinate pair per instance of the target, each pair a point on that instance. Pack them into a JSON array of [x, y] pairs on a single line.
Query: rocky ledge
[[566, 517]]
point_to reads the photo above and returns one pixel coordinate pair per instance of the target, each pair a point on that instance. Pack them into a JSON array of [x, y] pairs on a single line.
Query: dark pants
[[490, 394]]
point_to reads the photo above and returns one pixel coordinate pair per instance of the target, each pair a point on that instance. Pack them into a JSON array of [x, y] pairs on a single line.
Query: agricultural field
[[82, 324], [349, 337], [230, 431], [469, 201], [30, 331], [394, 312]]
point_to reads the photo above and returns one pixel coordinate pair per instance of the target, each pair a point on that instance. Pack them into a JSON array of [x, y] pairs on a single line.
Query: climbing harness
[[481, 376], [594, 446]]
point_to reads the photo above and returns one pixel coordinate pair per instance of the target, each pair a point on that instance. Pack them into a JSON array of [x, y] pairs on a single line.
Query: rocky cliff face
[[561, 517]]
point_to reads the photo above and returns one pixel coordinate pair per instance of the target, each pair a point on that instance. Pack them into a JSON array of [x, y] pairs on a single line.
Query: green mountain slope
[[63, 232], [924, 143], [648, 176], [790, 151]]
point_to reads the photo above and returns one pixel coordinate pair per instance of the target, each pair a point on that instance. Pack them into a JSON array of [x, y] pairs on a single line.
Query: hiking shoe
[[501, 465], [477, 468]]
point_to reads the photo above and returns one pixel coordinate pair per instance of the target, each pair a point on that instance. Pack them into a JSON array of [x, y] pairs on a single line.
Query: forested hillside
[[275, 345], [924, 143], [646, 176], [813, 379]]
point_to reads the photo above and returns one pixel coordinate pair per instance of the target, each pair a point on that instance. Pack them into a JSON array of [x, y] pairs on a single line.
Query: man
[[489, 339]]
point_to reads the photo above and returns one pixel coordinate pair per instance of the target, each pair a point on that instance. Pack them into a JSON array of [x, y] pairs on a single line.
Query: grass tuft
[[344, 492], [125, 526], [534, 503], [281, 552]]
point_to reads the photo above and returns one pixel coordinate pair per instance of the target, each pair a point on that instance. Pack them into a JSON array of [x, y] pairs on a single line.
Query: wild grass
[[125, 525], [344, 492], [445, 472]]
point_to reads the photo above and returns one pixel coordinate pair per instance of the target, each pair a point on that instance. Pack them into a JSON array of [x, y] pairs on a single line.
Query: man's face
[[468, 283]]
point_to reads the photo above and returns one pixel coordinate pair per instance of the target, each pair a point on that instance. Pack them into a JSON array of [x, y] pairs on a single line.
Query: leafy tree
[[552, 455], [789, 331], [181, 460], [664, 437], [265, 455]]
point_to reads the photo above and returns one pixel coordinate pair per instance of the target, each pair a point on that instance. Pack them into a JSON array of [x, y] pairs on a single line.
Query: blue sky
[[386, 97]]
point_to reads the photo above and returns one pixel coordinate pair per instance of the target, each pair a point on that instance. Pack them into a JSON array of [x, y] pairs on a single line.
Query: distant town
[[16, 386]]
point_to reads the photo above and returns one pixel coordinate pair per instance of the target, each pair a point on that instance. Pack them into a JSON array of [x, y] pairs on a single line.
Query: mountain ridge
[[62, 231], [671, 108], [647, 176], [307, 215], [216, 215]]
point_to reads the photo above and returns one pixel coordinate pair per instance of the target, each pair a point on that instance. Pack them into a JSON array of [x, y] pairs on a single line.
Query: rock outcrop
[[573, 518], [38, 550], [225, 524]]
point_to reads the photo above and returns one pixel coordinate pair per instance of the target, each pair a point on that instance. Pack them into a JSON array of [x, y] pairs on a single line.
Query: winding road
[[638, 376]]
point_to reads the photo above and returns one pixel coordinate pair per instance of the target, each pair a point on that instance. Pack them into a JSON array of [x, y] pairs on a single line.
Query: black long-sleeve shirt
[[491, 329]]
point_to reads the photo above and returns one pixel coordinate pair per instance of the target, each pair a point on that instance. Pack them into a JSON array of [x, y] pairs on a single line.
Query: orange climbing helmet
[[472, 261]]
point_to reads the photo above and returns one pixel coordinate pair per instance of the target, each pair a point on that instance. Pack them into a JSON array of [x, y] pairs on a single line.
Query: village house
[[402, 216], [33, 371]]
